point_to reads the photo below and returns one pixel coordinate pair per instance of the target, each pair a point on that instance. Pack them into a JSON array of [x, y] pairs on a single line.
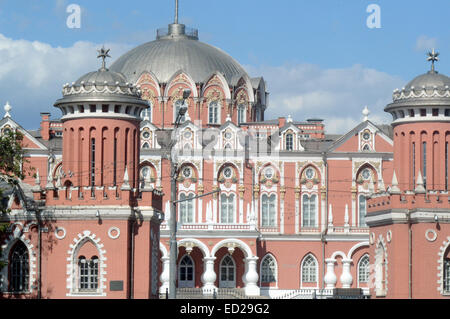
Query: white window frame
[[303, 269], [367, 270], [217, 108], [93, 275], [233, 208], [275, 213], [185, 205], [316, 209], [242, 117], [286, 141], [360, 224], [264, 269]]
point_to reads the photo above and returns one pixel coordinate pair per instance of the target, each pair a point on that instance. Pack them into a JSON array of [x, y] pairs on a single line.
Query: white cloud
[[336, 95], [32, 74], [425, 43]]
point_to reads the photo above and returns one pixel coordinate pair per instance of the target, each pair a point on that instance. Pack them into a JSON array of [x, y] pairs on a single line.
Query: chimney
[[281, 122], [45, 126]]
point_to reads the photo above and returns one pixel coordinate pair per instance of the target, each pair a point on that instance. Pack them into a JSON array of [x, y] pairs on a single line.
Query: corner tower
[[410, 222], [101, 116]]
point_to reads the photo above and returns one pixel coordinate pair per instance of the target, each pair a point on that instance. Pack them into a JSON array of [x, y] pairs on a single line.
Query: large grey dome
[[430, 79], [173, 52]]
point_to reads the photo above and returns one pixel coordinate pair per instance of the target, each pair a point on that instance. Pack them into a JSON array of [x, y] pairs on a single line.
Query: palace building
[[293, 212]]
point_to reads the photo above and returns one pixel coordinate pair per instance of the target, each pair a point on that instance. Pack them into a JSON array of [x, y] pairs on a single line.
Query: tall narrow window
[[268, 270], [268, 210], [19, 268], [309, 269], [413, 165], [424, 163], [227, 209], [186, 273], [186, 209], [115, 162], [241, 114], [214, 112], [309, 211], [362, 211], [363, 269], [88, 273], [446, 166], [289, 142], [92, 170]]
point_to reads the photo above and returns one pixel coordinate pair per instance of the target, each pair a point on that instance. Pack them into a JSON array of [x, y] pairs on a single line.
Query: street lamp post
[[163, 138]]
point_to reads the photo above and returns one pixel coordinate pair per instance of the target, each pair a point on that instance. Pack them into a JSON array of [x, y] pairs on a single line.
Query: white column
[[346, 277], [164, 278], [330, 277], [251, 277], [241, 210], [209, 276]]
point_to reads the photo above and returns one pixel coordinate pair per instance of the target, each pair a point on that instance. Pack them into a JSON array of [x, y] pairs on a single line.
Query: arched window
[[146, 146], [446, 279], [309, 269], [186, 273], [213, 112], [268, 210], [289, 142], [227, 209], [268, 270], [186, 209], [20, 268], [363, 269], [309, 211], [227, 273], [362, 210], [88, 274], [241, 114]]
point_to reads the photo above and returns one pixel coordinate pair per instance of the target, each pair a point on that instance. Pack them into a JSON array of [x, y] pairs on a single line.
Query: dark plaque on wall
[[116, 285]]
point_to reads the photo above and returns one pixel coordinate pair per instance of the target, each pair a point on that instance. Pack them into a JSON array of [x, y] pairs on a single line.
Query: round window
[[310, 173], [268, 173], [146, 134], [228, 135], [187, 134], [366, 136], [187, 172], [366, 174], [228, 172]]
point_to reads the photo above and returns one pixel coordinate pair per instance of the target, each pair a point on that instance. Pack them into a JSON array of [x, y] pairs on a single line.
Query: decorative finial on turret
[[176, 12], [103, 54], [366, 113], [289, 119], [433, 57], [7, 108]]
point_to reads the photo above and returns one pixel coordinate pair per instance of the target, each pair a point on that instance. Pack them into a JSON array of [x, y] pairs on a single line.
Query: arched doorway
[[227, 273], [186, 273]]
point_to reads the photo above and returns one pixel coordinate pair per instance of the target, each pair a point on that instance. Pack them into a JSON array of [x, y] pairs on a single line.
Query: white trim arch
[[338, 253], [197, 243], [354, 248], [225, 87], [10, 242], [440, 266], [267, 256], [316, 270], [239, 243], [78, 242], [190, 82]]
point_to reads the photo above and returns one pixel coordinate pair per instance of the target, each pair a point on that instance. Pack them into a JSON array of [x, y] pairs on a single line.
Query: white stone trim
[[57, 230], [6, 248], [430, 238], [440, 265], [78, 242], [114, 229]]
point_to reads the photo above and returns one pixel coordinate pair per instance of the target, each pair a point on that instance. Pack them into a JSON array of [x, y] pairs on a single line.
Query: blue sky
[[319, 57]]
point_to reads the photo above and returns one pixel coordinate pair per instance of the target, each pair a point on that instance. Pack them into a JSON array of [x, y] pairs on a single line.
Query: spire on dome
[[176, 12], [433, 57], [103, 54]]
